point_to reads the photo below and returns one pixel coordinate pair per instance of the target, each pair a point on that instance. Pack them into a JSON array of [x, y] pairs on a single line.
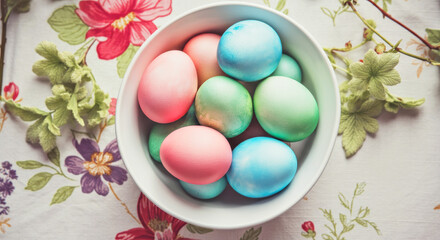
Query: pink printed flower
[[117, 23], [156, 224], [11, 91], [308, 227], [112, 109]]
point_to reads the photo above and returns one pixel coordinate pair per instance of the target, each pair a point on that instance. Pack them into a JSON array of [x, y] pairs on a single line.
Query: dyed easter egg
[[196, 154], [261, 167], [285, 108], [288, 67], [202, 49], [225, 105], [249, 50], [168, 87], [160, 131], [205, 191]]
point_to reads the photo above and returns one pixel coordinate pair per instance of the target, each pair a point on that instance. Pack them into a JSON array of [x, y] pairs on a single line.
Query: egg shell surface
[[288, 67], [261, 167], [202, 49], [205, 191], [285, 108], [225, 105], [249, 50], [159, 131], [196, 154], [168, 87]]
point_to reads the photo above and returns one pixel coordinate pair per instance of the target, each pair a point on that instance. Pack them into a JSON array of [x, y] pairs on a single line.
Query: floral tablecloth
[[390, 189]]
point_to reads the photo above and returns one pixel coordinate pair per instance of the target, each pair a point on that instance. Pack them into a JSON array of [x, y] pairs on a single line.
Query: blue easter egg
[[261, 167], [249, 50], [206, 191]]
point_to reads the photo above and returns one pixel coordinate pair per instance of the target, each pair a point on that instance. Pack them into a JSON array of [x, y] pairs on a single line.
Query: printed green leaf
[[344, 202], [433, 36], [286, 11], [62, 194], [251, 234], [125, 59], [25, 113], [266, 2], [373, 225], [54, 156], [38, 181], [363, 212], [349, 228], [356, 122], [199, 230], [328, 215], [68, 25], [343, 219], [361, 222], [280, 5], [327, 237], [360, 188], [29, 164], [374, 72]]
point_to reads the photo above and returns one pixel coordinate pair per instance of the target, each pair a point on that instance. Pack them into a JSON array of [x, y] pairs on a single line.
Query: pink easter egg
[[202, 49], [168, 87], [196, 154]]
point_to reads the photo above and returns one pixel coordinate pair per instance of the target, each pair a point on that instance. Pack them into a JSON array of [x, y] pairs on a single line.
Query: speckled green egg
[[288, 67], [160, 131], [225, 105], [285, 108]]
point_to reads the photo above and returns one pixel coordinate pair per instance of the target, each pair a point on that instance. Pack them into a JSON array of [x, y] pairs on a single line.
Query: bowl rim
[[328, 151]]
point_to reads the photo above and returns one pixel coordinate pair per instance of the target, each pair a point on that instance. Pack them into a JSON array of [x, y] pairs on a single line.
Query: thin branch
[[123, 204], [386, 14]]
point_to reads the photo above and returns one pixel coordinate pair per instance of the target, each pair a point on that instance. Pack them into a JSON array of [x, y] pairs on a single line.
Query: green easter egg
[[288, 67], [225, 105], [285, 108], [160, 131]]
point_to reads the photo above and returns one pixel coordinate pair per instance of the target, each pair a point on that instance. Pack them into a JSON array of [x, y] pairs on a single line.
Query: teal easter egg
[[205, 191], [288, 67], [285, 108], [225, 105], [249, 50], [261, 167], [160, 131]]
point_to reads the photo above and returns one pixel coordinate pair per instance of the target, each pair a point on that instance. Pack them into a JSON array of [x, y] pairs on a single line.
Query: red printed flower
[[117, 23], [308, 226], [157, 225], [112, 109], [11, 91]]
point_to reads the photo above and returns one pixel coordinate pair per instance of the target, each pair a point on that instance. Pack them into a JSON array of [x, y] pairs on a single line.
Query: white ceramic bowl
[[229, 210]]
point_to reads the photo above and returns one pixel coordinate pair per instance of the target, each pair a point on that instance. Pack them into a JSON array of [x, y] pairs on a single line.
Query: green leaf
[[47, 138], [286, 11], [53, 66], [361, 222], [25, 113], [62, 194], [125, 59], [73, 106], [373, 225], [360, 188], [51, 126], [368, 33], [344, 202], [38, 181], [97, 110], [68, 25], [374, 72], [266, 2], [391, 107], [394, 103], [54, 156], [349, 228], [433, 36], [280, 5], [251, 234], [343, 219], [111, 121], [19, 6], [356, 122], [32, 133], [29, 164], [327, 237], [58, 104], [199, 230]]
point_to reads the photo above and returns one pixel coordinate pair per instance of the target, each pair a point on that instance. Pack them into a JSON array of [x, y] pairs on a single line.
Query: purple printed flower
[[6, 165], [4, 210], [13, 174], [2, 201], [95, 164], [6, 187]]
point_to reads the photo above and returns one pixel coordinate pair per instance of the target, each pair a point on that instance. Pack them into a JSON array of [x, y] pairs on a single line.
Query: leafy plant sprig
[[334, 13], [72, 100], [364, 95], [348, 220]]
